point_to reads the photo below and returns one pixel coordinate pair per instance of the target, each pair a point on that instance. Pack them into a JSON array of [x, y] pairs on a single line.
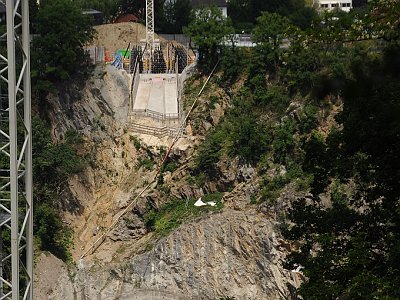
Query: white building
[[329, 5]]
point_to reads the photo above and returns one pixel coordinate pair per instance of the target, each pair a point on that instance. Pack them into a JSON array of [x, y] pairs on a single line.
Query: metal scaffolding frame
[[16, 203], [149, 31]]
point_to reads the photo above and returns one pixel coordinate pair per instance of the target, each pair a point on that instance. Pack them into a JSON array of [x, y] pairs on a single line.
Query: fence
[[97, 54], [180, 38], [155, 115], [156, 131]]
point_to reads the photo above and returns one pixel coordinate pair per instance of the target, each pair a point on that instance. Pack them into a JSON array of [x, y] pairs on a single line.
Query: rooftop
[[91, 12]]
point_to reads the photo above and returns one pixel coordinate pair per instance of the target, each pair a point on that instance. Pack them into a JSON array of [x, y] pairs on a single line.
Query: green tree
[[52, 164], [245, 12], [269, 34], [208, 30], [57, 51], [109, 8], [176, 15], [350, 249]]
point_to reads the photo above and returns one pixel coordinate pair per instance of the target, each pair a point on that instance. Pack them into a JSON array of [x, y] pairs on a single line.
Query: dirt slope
[[118, 36]]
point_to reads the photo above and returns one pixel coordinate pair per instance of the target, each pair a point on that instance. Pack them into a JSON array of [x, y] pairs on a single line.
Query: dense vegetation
[[58, 54], [52, 164], [321, 103], [57, 57]]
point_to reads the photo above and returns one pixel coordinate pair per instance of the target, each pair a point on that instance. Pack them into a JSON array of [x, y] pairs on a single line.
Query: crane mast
[[149, 31], [16, 200]]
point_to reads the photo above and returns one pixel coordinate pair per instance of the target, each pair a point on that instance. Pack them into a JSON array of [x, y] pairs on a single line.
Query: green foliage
[[147, 163], [316, 162], [248, 138], [177, 14], [209, 153], [52, 234], [271, 187], [284, 143], [300, 69], [277, 98], [245, 12], [136, 142], [355, 236], [308, 118], [52, 164], [208, 29], [109, 8], [62, 31], [233, 62], [177, 211], [269, 33]]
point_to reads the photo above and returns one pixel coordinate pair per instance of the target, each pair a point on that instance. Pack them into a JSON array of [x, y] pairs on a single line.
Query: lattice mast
[[16, 263], [149, 31]]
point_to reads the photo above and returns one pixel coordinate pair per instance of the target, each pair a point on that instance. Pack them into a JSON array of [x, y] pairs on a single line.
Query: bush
[[248, 138], [52, 164], [174, 213], [147, 163], [209, 153], [284, 142]]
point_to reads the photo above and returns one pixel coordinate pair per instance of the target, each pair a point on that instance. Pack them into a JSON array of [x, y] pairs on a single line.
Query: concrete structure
[[16, 205], [221, 4], [329, 5], [157, 96]]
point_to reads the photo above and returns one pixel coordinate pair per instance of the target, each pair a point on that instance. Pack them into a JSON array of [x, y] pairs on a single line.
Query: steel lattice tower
[[16, 219], [149, 30]]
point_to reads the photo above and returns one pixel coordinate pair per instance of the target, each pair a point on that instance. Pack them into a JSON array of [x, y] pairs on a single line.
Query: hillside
[[293, 148]]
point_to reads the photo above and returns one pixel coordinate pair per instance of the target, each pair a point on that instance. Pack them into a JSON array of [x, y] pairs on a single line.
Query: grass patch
[[148, 164], [176, 212]]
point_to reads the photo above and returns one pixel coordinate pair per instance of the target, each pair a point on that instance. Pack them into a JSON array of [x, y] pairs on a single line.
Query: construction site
[[157, 70]]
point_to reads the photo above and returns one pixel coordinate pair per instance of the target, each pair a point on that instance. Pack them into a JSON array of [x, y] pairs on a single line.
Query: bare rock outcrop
[[228, 254], [233, 253]]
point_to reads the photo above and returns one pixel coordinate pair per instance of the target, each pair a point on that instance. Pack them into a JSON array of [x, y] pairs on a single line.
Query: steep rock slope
[[232, 253]]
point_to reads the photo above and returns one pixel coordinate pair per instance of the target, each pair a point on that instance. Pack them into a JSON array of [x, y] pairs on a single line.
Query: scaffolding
[[149, 48], [16, 219]]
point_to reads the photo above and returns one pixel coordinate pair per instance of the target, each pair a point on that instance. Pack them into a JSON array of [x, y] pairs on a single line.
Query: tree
[[176, 15], [208, 30], [57, 52], [350, 250], [269, 34], [245, 12], [109, 8]]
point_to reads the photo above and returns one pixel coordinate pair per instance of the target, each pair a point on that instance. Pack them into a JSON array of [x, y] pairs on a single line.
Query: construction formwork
[[16, 218]]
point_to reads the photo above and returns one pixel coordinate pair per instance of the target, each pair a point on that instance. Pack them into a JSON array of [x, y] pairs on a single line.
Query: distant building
[[95, 14], [221, 4], [328, 5]]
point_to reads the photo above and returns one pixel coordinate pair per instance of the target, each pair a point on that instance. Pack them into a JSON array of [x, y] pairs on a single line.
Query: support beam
[[16, 205]]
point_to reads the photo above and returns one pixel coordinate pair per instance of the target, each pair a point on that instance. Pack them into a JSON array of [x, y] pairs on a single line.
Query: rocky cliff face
[[233, 253], [236, 252]]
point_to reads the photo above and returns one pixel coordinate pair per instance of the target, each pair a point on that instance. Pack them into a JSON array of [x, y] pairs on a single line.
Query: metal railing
[[155, 115], [156, 131]]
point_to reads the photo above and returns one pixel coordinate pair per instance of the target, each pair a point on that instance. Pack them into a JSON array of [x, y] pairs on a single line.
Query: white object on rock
[[199, 203], [212, 203]]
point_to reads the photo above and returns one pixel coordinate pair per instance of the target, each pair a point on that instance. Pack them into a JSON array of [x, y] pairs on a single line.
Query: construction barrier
[[96, 54]]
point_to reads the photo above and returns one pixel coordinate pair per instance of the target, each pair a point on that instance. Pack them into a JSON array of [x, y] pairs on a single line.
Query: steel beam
[[16, 205]]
